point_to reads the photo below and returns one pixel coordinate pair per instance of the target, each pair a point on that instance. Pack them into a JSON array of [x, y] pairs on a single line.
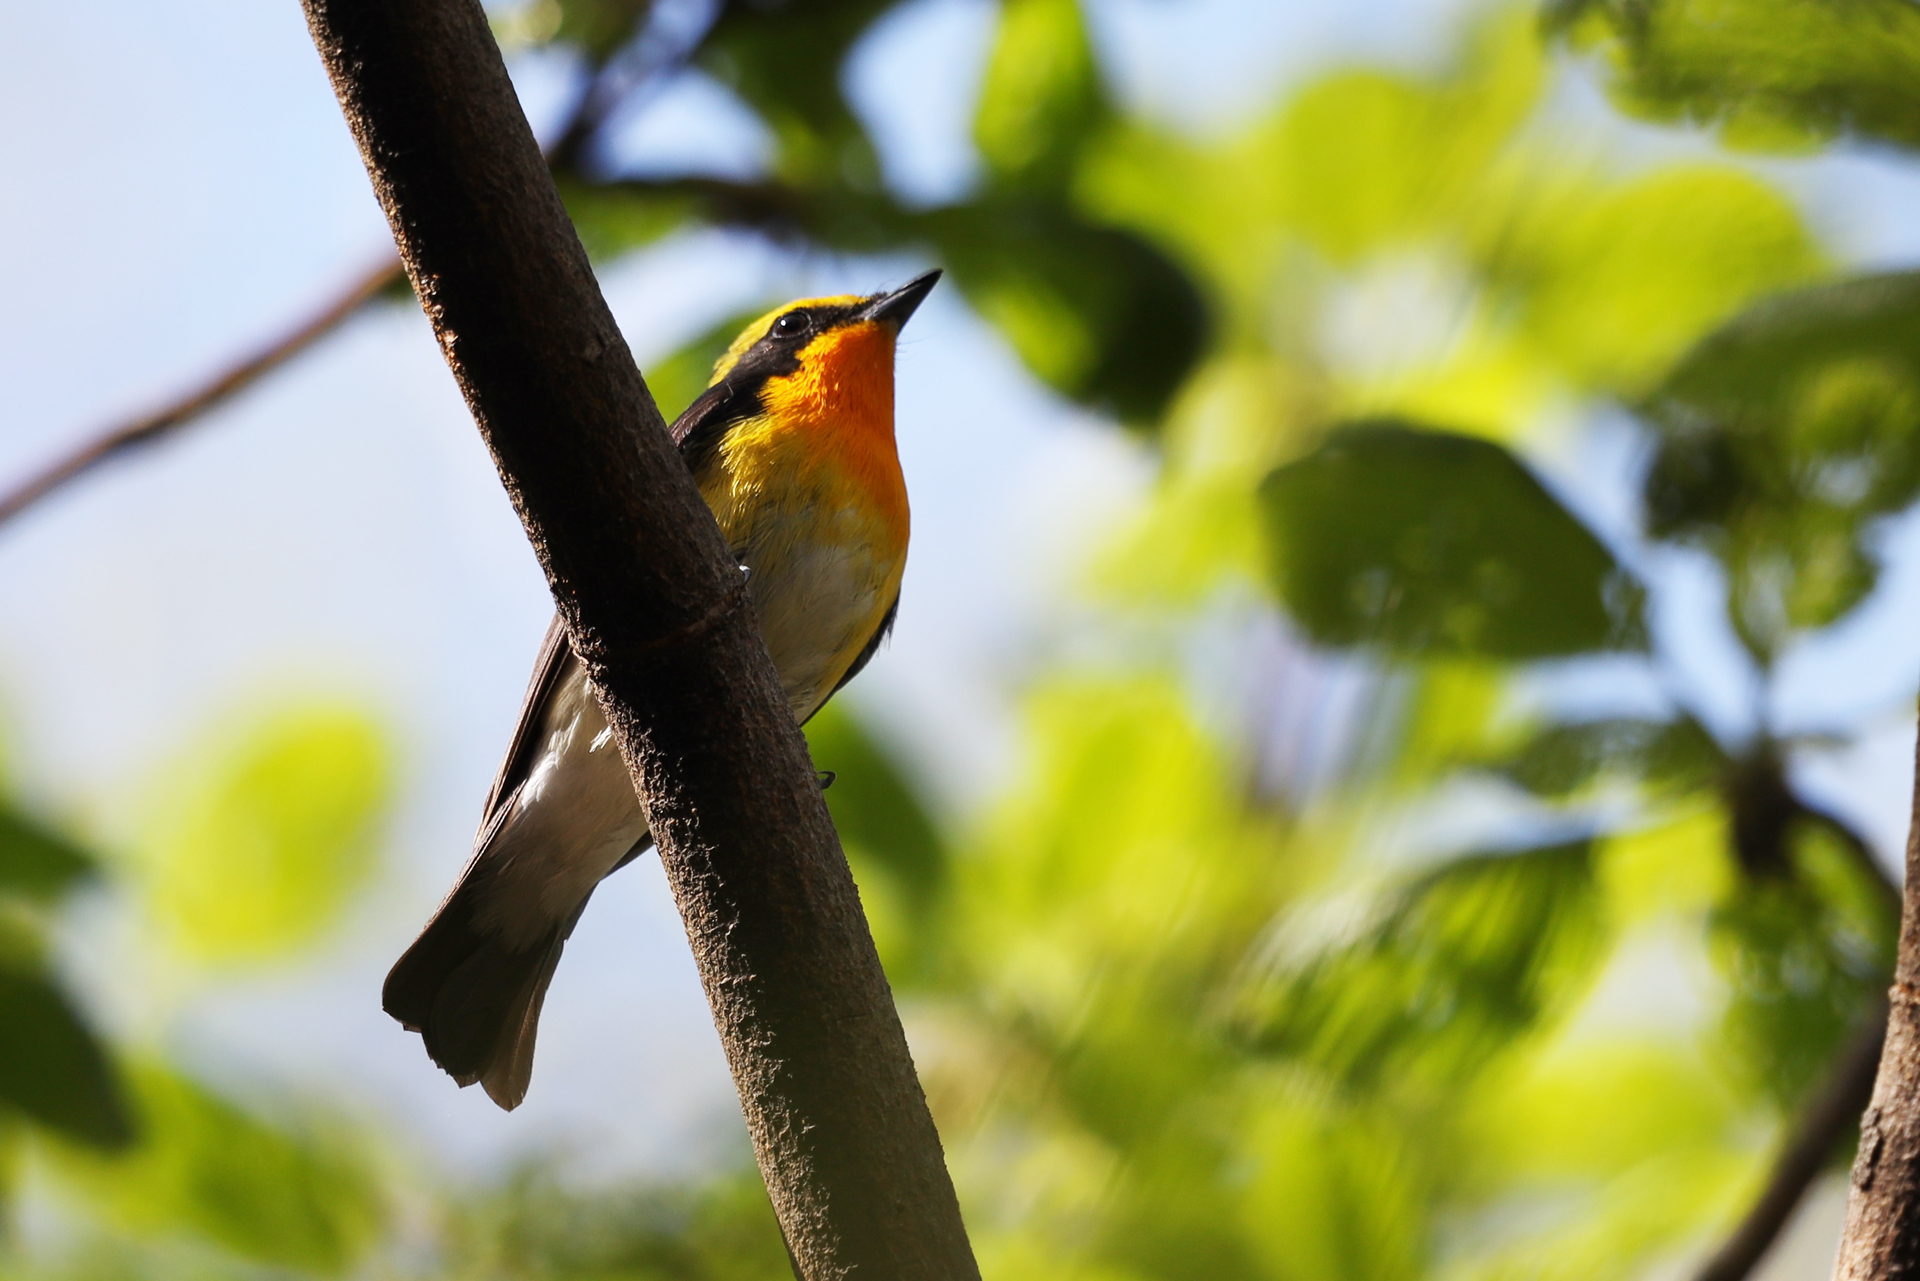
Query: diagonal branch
[[222, 387], [656, 607], [610, 85], [1830, 1116]]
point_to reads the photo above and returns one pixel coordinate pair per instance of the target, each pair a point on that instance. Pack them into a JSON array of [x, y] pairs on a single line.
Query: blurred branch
[[656, 607], [1882, 1236], [154, 426], [1830, 1115], [611, 84]]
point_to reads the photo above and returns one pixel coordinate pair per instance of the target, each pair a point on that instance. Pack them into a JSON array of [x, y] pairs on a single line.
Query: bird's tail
[[473, 997]]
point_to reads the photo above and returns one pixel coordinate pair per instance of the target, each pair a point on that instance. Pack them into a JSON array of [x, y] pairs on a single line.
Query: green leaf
[[1364, 160], [874, 805], [1334, 1195], [598, 27], [260, 854], [1780, 73], [267, 1194], [1098, 314], [1042, 96], [1452, 969], [541, 1227], [1124, 864], [1430, 543], [784, 60], [1807, 952], [53, 1069], [897, 856], [1782, 436], [1676, 756], [617, 218], [1612, 282], [34, 862]]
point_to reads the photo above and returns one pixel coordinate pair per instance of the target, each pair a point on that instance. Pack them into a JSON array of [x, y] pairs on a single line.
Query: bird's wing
[[695, 432], [701, 425], [555, 664]]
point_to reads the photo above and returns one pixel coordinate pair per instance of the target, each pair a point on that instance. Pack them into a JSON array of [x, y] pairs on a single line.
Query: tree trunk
[[659, 612], [1882, 1237]]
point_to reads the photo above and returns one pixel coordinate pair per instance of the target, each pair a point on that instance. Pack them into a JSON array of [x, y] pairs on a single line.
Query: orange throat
[[839, 403]]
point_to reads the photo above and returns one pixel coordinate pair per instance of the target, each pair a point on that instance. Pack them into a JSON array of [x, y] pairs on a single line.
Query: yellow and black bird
[[792, 445]]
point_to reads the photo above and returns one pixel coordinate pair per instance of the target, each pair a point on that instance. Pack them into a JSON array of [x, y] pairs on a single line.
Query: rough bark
[[1882, 1236], [658, 610]]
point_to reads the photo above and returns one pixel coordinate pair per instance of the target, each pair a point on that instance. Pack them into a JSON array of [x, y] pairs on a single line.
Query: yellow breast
[[810, 496]]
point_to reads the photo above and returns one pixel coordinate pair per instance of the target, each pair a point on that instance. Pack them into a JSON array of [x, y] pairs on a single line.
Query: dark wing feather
[[555, 664], [699, 429], [696, 432]]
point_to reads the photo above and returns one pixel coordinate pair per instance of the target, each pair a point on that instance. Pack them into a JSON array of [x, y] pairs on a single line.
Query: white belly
[[576, 816], [818, 600]]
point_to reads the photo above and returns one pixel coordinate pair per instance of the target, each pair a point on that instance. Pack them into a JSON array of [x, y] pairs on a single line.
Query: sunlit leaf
[[1123, 867], [53, 1070], [37, 863], [1453, 968], [1333, 1195], [1779, 73], [261, 852], [1682, 866], [1782, 435], [1366, 160], [1098, 314], [1594, 1107], [1432, 543], [1611, 282], [266, 1193], [1042, 94], [1806, 953]]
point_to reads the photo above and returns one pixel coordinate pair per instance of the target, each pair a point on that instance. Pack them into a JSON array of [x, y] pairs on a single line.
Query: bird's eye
[[792, 325]]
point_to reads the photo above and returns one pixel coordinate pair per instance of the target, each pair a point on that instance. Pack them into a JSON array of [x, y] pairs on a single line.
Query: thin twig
[[149, 428], [1830, 1115], [609, 87]]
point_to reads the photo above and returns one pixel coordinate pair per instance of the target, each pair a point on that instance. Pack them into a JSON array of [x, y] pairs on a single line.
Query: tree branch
[[1826, 1121], [1882, 1236], [606, 89], [224, 386], [656, 607]]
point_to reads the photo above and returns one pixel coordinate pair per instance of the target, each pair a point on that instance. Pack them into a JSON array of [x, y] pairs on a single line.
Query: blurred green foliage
[[1770, 73], [1429, 542], [55, 1071], [266, 839], [1180, 1016]]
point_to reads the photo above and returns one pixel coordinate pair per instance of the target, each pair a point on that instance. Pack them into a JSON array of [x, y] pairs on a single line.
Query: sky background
[[181, 186]]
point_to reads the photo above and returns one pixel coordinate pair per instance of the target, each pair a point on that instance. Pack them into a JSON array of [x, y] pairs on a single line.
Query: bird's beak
[[894, 308]]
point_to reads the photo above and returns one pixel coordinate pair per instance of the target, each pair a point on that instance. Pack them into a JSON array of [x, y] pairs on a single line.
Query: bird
[[792, 447]]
